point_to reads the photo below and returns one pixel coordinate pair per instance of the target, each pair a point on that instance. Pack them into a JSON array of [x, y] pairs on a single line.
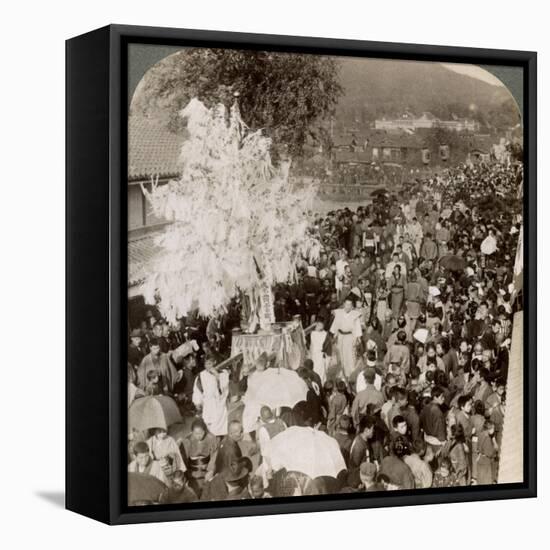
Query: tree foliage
[[238, 222], [287, 95]]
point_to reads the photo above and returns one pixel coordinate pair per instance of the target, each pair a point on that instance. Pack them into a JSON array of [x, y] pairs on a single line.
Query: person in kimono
[[210, 394], [346, 283], [337, 404], [200, 448], [455, 450], [156, 360], [346, 329], [397, 283], [494, 408], [486, 459], [161, 445], [381, 300], [398, 358], [408, 252], [319, 350], [428, 250], [416, 234], [364, 299], [341, 264], [414, 298]]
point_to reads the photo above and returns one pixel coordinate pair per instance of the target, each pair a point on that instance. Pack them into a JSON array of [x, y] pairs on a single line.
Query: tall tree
[[286, 95], [239, 226]]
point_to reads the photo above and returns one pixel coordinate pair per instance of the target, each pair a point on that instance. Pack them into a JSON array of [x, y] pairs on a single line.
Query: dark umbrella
[[379, 191], [157, 411], [453, 262], [143, 488]]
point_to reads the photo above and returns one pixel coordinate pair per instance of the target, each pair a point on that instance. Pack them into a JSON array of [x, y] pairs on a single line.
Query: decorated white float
[[239, 227]]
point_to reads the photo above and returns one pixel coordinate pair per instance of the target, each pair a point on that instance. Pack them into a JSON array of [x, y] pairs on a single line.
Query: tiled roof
[[152, 149], [140, 252]]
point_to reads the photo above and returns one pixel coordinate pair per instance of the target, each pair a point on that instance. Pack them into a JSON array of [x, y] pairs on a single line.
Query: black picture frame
[[96, 272]]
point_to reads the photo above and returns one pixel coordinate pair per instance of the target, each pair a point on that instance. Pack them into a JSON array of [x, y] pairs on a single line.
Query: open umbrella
[[452, 262], [155, 411], [306, 450], [489, 245], [379, 191], [421, 335], [144, 488], [273, 387], [434, 291]]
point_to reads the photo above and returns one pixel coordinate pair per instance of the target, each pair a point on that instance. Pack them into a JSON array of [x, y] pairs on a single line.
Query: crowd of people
[[409, 310], [361, 173]]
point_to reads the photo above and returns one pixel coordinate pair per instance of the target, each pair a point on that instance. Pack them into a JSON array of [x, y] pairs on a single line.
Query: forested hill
[[374, 88]]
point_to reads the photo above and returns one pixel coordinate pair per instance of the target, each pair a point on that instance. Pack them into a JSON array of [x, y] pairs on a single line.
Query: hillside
[[377, 87]]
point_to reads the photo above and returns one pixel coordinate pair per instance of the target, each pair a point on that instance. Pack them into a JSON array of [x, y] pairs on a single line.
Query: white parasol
[[489, 245], [434, 291], [306, 450], [274, 387], [421, 335]]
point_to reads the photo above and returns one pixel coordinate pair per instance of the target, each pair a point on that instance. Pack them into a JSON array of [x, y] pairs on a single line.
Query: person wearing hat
[[135, 348], [230, 484], [179, 492]]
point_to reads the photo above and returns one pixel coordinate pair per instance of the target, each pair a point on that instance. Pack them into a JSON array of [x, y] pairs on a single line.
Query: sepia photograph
[[325, 275]]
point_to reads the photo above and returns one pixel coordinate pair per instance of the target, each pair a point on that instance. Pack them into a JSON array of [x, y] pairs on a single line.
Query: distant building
[[385, 147], [402, 149], [480, 149], [426, 121]]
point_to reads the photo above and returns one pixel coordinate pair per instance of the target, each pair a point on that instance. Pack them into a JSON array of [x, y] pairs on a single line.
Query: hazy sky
[[474, 71]]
